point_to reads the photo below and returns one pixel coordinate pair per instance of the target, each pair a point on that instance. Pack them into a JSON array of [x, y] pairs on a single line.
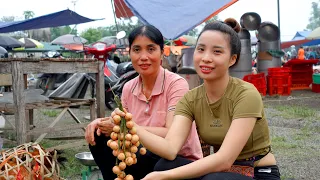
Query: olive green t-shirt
[[240, 100]]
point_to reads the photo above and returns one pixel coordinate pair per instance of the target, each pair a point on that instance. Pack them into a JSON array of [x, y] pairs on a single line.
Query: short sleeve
[[124, 96], [248, 104], [185, 108], [176, 91]]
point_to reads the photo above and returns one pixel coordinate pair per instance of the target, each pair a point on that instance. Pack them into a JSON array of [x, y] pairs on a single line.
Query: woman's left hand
[[156, 175]]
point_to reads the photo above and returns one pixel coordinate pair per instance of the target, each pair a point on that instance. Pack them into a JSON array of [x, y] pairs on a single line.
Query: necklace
[[146, 111]]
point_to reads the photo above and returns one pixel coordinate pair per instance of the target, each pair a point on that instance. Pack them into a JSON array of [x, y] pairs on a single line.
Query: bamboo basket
[[29, 162]]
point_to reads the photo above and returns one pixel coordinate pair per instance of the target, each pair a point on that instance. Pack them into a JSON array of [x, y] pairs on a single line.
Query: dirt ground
[[294, 128]]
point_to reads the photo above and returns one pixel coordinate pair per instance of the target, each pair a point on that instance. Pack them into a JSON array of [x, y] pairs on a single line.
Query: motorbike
[[51, 81], [115, 75]]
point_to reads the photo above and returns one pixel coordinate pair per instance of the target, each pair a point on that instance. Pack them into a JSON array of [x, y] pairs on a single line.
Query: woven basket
[[29, 162]]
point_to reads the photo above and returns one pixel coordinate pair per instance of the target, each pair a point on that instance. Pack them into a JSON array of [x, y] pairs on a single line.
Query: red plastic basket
[[258, 80], [315, 88], [279, 85], [279, 71]]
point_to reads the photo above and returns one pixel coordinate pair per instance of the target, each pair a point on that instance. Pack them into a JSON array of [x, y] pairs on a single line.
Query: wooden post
[[92, 110], [100, 91], [19, 102]]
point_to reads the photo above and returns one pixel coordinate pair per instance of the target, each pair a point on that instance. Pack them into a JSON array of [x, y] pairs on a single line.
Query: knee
[[162, 165]]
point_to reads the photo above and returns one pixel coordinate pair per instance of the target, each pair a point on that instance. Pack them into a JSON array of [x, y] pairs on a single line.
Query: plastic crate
[[279, 71], [301, 79], [259, 81], [279, 85], [316, 88], [301, 73]]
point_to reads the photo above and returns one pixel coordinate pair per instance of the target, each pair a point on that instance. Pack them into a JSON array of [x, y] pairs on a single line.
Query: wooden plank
[[75, 118], [93, 111], [28, 138], [19, 102], [67, 146], [65, 137], [7, 121], [60, 67], [52, 124], [5, 79], [100, 91], [57, 129], [5, 67], [10, 107]]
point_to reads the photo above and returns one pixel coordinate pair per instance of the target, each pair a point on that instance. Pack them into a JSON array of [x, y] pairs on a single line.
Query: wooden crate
[[5, 80]]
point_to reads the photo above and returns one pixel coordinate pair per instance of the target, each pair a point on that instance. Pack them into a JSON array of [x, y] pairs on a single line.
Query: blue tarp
[[300, 40], [175, 17], [301, 35], [61, 18]]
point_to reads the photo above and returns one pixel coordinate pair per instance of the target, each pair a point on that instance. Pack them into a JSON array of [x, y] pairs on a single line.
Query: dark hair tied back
[[233, 24]]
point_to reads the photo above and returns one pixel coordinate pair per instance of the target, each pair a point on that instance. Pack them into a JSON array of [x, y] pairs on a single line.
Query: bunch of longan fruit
[[124, 142]]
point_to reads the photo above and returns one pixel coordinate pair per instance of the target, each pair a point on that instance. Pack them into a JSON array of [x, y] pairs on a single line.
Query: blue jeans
[[259, 174]]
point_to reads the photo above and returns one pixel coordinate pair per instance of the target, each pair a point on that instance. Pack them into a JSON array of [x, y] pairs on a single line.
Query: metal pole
[[114, 15], [278, 3]]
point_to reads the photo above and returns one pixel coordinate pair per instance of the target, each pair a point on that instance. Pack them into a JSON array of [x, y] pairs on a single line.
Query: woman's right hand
[[102, 125], [118, 112]]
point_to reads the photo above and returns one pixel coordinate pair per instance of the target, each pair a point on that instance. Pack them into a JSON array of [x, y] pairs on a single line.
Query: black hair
[[230, 29], [149, 31]]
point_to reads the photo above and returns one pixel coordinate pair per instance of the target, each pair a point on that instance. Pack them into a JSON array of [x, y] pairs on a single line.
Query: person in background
[[301, 55]]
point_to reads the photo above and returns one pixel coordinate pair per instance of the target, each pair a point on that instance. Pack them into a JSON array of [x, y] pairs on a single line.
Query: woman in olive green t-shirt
[[229, 116]]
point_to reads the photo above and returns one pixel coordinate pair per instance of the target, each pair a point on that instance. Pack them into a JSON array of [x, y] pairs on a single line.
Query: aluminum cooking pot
[[268, 32], [250, 21]]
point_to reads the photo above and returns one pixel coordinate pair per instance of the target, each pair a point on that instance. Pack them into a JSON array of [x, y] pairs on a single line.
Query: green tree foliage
[[7, 19], [92, 35], [314, 20], [28, 14], [63, 30]]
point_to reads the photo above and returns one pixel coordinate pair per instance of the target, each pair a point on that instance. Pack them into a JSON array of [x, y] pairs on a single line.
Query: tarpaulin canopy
[[61, 18], [172, 17], [301, 35], [301, 39]]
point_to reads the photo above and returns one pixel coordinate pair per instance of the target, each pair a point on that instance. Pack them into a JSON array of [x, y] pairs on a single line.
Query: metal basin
[[86, 158]]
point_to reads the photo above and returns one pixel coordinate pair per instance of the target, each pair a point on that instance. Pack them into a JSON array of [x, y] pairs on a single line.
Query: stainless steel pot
[[250, 21], [187, 66], [268, 32], [244, 34]]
